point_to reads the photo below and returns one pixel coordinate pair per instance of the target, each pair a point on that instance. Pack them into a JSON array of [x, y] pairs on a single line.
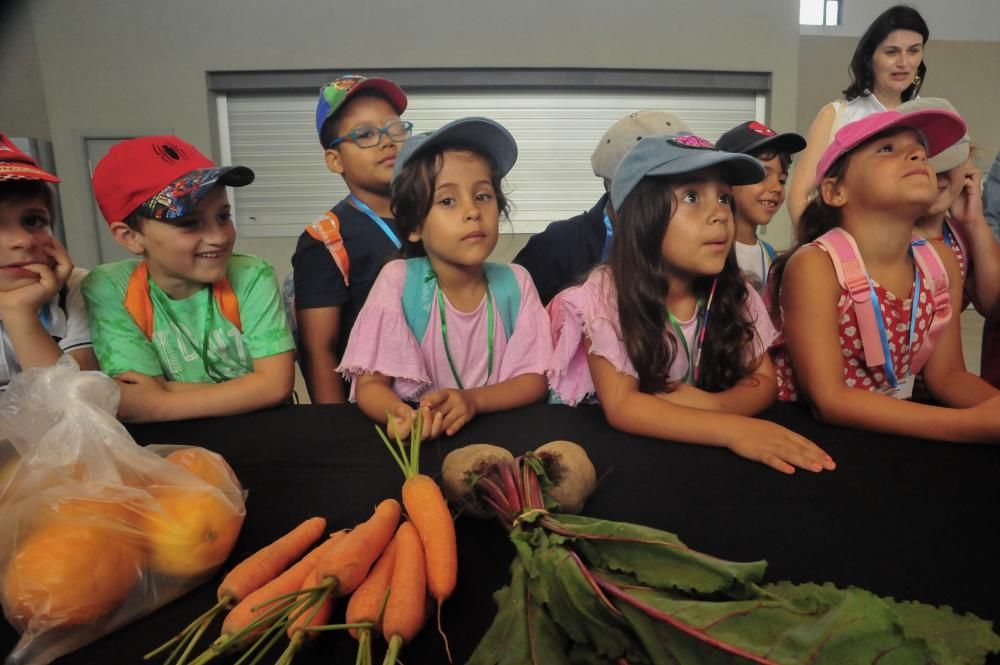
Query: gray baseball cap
[[480, 133], [628, 131], [674, 154], [953, 156]]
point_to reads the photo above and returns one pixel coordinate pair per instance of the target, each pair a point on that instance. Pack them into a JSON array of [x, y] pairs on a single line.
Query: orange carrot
[[346, 566], [405, 609], [317, 615], [428, 510], [256, 604], [263, 566], [367, 599]]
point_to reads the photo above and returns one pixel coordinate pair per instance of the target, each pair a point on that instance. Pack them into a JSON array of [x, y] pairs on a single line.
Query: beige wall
[[22, 96], [963, 72], [117, 67]]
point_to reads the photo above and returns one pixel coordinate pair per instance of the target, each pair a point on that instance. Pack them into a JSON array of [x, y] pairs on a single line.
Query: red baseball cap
[[161, 177], [15, 165]]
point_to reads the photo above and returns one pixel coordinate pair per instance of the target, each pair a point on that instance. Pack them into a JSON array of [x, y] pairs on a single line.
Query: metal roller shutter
[[556, 132]]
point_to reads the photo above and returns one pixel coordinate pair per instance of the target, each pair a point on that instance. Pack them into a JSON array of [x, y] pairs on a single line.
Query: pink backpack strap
[[933, 271], [853, 277]]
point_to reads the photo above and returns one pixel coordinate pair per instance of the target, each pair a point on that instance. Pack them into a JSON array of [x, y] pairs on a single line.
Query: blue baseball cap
[[674, 154], [482, 134]]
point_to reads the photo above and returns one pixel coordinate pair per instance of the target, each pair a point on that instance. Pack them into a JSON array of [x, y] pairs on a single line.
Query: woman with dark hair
[[886, 70]]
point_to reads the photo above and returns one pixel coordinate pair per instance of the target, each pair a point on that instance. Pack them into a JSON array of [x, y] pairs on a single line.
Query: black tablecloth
[[911, 519]]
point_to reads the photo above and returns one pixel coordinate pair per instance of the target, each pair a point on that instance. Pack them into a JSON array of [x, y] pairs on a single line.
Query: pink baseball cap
[[942, 129]]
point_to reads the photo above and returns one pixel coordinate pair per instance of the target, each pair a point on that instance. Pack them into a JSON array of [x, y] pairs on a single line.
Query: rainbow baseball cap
[[333, 95]]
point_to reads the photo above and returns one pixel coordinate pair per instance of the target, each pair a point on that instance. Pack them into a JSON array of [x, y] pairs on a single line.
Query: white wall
[[955, 20], [116, 67]]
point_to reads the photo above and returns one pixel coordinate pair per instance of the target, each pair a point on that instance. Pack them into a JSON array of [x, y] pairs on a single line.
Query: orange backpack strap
[[326, 229], [140, 306], [853, 277], [933, 270]]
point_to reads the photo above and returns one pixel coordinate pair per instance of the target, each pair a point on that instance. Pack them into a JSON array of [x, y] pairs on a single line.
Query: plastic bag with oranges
[[96, 530]]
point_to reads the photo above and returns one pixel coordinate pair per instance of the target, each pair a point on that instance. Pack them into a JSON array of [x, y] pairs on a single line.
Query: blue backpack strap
[[420, 285], [506, 293], [418, 295], [771, 254]]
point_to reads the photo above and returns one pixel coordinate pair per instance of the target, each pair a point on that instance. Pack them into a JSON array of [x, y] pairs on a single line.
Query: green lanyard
[[689, 372], [489, 334]]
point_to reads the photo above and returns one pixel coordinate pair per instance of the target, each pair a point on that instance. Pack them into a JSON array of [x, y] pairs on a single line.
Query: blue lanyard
[[947, 235], [608, 232], [363, 207], [763, 266], [890, 372]]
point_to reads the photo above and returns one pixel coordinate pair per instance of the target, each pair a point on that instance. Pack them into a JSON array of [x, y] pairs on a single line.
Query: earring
[[916, 80]]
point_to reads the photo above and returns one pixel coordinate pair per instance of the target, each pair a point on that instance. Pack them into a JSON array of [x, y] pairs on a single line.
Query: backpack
[[140, 307], [420, 287], [326, 229], [853, 277]]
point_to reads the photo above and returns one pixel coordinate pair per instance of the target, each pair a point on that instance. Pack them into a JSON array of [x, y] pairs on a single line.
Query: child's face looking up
[[700, 231], [885, 173], [367, 169], [187, 253], [462, 225], [25, 232], [756, 204]]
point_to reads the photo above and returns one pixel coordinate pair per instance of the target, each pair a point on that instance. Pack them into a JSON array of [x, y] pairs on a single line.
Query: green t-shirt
[[192, 340]]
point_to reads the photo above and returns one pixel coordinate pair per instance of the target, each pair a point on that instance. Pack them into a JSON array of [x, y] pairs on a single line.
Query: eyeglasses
[[369, 137]]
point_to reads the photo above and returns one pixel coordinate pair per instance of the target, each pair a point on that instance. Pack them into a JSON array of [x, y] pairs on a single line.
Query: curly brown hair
[[641, 286]]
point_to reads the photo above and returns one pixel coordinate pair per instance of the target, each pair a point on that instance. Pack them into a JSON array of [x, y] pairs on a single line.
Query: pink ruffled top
[[590, 312], [381, 341]]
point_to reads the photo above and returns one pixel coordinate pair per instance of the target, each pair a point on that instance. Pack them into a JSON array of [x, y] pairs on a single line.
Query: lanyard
[[691, 374], [947, 236], [608, 232], [763, 266], [386, 229], [489, 333], [890, 372]]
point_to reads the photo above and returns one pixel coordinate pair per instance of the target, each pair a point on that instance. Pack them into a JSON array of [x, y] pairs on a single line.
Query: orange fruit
[[193, 532], [69, 573], [207, 465]]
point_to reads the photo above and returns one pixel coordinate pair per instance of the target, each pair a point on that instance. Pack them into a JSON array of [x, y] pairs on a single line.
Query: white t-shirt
[[754, 262], [64, 317]]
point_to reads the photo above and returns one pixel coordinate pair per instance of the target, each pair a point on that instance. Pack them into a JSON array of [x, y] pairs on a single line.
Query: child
[[192, 329], [852, 352], [756, 204], [956, 216], [674, 341], [445, 327], [566, 250], [339, 256], [42, 315]]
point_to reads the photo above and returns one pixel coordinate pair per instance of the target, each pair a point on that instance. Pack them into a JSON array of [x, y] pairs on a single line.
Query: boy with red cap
[[192, 329], [339, 256], [42, 315]]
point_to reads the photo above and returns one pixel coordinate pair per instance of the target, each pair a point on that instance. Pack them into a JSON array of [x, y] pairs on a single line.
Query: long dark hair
[[413, 192], [898, 17], [641, 285]]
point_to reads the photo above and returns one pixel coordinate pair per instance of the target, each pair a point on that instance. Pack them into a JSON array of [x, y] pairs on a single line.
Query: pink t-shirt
[[590, 311], [381, 341]]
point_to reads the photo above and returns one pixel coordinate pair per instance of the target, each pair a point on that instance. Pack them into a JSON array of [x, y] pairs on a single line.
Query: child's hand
[[968, 207], [455, 406], [403, 416], [51, 277], [779, 448], [139, 394]]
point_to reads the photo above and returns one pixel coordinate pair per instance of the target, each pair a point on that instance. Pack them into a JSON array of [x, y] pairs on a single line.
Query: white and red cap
[[16, 165]]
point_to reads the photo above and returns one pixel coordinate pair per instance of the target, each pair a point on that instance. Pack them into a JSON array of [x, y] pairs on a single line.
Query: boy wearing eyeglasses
[[339, 256]]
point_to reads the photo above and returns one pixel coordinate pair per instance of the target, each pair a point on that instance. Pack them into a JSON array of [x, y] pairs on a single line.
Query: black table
[[911, 519]]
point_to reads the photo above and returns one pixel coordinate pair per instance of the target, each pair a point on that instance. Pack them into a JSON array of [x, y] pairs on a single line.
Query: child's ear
[[128, 237], [833, 192], [414, 236], [333, 161]]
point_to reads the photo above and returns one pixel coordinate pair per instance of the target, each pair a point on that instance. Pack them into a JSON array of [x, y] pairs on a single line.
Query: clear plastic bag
[[96, 530]]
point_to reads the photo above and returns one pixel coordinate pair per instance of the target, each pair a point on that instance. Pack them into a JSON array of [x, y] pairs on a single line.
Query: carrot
[[316, 614], [428, 510], [367, 599], [252, 573], [263, 566], [404, 611], [345, 567]]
